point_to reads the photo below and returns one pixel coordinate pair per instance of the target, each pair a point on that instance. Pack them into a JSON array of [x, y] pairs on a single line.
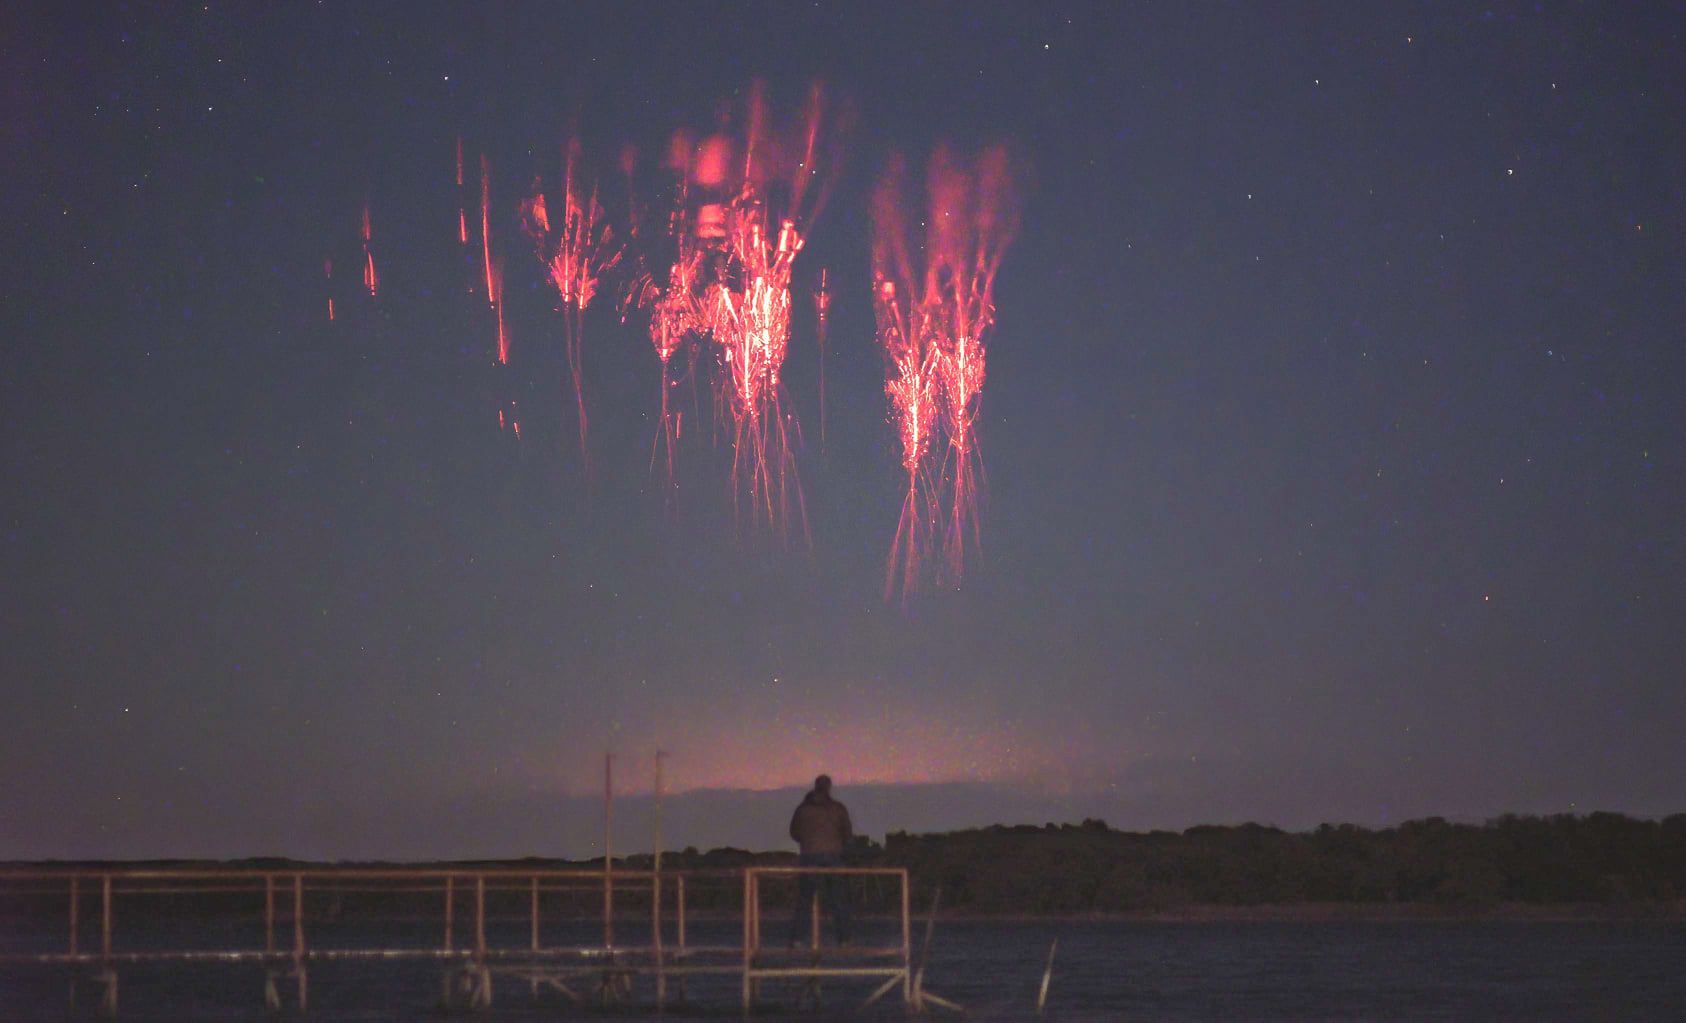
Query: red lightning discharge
[[497, 305], [934, 339], [910, 379], [506, 400], [576, 251], [370, 280], [721, 275], [486, 225], [972, 219], [462, 214], [747, 304], [718, 279], [671, 295]]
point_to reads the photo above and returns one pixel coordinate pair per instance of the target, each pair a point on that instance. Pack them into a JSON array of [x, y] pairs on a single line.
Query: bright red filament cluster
[[932, 326], [715, 277]]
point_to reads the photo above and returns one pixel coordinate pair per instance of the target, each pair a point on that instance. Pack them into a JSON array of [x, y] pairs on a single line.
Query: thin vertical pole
[[298, 916], [608, 850], [907, 942], [756, 894], [105, 916], [656, 893], [814, 917], [533, 978], [660, 756], [75, 906], [75, 914], [480, 916], [298, 941], [450, 908], [269, 913], [656, 937]]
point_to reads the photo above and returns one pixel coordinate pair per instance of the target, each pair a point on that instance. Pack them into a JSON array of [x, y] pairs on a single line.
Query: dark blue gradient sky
[[1333, 431]]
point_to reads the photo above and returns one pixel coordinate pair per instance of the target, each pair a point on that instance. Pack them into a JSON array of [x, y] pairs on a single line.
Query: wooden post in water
[[1047, 977]]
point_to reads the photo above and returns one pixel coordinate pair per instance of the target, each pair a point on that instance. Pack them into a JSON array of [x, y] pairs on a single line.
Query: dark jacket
[[821, 825]]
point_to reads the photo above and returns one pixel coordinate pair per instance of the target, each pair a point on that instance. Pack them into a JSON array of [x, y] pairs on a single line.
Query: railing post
[[298, 942], [533, 977], [108, 1003], [75, 907], [480, 916], [482, 973], [907, 942], [679, 883], [535, 914], [105, 916], [269, 913], [656, 932], [756, 892], [814, 918], [681, 922], [450, 908], [749, 911]]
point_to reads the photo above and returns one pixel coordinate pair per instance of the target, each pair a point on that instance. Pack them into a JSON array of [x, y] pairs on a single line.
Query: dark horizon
[[1331, 430], [541, 825]]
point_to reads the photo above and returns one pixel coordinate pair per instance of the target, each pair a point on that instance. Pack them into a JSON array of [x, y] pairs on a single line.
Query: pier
[[605, 937]]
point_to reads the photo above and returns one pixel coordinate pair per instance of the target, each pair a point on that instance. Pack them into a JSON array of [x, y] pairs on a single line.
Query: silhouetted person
[[822, 830]]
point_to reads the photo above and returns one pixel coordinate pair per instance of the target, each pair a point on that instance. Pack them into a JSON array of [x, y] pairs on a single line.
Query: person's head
[[822, 784]]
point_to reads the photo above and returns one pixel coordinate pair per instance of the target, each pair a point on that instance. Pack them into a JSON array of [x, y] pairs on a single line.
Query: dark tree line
[[1601, 858], [1090, 868]]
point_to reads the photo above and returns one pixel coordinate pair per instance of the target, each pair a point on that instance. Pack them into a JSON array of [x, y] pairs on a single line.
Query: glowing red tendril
[[576, 251]]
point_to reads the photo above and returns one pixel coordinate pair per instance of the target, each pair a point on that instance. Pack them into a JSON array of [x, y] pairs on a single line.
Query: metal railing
[[300, 909]]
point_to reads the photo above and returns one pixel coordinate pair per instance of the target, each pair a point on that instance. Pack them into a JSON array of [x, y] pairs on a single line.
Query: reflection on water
[[1103, 971]]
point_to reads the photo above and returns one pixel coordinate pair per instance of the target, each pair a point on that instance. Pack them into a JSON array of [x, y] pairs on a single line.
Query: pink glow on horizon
[[788, 749]]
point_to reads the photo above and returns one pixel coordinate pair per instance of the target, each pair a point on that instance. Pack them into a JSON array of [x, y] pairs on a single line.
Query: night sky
[[1333, 430]]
